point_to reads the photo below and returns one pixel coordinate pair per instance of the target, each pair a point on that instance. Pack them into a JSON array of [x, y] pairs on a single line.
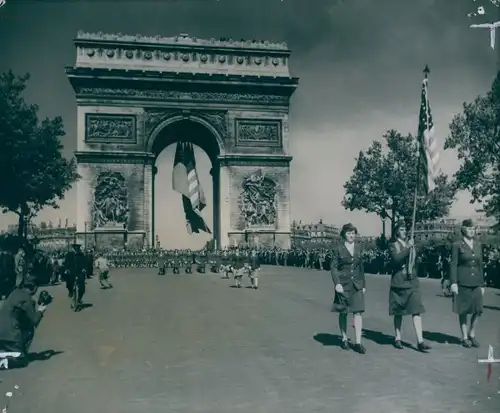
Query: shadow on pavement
[[441, 338], [83, 306], [382, 338], [32, 357], [328, 339], [492, 307]]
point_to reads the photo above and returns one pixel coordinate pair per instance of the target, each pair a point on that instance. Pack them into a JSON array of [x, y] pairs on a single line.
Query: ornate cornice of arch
[[157, 119]]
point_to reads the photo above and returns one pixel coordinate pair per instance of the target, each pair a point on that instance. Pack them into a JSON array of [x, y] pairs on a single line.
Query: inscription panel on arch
[[258, 132], [110, 128]]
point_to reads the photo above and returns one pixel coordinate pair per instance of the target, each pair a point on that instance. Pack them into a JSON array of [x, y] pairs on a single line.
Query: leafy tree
[[34, 172], [475, 134], [383, 182]]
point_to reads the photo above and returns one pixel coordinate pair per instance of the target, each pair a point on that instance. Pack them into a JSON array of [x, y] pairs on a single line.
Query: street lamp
[[125, 236], [85, 236]]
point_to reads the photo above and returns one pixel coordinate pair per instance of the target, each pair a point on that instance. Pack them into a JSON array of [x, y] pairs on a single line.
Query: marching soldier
[[190, 258], [213, 260], [348, 277], [254, 268], [467, 282], [162, 264], [170, 260], [404, 295], [176, 262], [226, 262], [102, 266], [201, 262], [239, 265]]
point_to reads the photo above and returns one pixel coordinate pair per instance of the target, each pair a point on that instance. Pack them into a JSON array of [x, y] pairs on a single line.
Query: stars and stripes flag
[[429, 157], [185, 181], [428, 146]]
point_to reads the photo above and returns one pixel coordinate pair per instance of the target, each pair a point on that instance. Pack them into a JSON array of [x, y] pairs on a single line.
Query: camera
[[45, 298]]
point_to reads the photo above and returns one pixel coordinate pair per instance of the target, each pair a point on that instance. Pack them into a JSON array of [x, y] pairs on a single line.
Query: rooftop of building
[[150, 57], [184, 39], [319, 226]]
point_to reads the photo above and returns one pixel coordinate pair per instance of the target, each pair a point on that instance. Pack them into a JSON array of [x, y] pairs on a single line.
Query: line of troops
[[236, 262], [48, 267], [434, 262]]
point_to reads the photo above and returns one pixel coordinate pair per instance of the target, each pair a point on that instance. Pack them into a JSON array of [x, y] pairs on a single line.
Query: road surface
[[191, 343]]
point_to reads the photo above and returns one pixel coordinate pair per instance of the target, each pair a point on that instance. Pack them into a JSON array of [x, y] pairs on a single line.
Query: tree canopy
[[475, 135], [383, 182], [34, 172]]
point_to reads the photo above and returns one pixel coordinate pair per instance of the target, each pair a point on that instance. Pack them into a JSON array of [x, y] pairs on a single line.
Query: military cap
[[468, 223], [348, 228], [399, 224]]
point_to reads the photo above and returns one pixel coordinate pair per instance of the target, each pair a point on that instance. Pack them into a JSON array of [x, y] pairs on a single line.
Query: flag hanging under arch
[[185, 181]]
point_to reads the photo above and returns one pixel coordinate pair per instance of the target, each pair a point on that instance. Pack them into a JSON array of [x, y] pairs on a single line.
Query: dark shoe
[[398, 345], [474, 343], [345, 345], [359, 348], [423, 346], [466, 343]]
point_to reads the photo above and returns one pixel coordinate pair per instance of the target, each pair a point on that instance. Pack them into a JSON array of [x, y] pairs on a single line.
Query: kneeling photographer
[[20, 316]]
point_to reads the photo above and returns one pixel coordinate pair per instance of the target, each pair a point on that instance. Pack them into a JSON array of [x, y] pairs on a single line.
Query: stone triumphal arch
[[136, 95]]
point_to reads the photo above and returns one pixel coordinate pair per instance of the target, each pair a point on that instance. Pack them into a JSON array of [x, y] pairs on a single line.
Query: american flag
[[428, 146]]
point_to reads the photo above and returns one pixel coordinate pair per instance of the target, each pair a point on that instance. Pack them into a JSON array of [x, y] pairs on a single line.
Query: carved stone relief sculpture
[[258, 201], [110, 201], [104, 128], [250, 132]]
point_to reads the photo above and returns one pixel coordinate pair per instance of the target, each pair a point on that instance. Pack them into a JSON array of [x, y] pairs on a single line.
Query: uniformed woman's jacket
[[467, 264], [346, 269], [400, 256]]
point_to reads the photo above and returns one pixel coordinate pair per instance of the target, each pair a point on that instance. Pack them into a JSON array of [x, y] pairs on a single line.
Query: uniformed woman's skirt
[[405, 301], [349, 302], [468, 301]]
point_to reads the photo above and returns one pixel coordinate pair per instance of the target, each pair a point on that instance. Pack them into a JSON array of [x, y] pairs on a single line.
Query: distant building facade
[[450, 227], [307, 234], [48, 235]]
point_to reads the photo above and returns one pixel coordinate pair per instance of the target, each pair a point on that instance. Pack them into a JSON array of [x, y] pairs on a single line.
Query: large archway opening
[[169, 222]]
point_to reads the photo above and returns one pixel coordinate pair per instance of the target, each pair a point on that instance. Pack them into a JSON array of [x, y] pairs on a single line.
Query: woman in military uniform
[[467, 282], [404, 294], [349, 280]]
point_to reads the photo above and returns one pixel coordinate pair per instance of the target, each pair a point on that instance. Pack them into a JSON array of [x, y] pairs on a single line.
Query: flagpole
[[411, 263]]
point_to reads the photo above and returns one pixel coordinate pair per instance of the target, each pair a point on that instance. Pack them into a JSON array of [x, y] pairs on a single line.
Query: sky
[[360, 66]]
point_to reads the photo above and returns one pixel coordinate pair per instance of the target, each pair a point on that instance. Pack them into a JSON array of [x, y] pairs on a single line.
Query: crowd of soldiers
[[47, 268], [433, 261]]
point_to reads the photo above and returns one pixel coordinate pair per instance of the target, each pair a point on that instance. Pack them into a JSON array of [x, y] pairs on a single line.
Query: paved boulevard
[[193, 344]]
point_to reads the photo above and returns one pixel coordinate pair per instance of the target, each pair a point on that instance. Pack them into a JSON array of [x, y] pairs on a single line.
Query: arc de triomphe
[[136, 95]]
